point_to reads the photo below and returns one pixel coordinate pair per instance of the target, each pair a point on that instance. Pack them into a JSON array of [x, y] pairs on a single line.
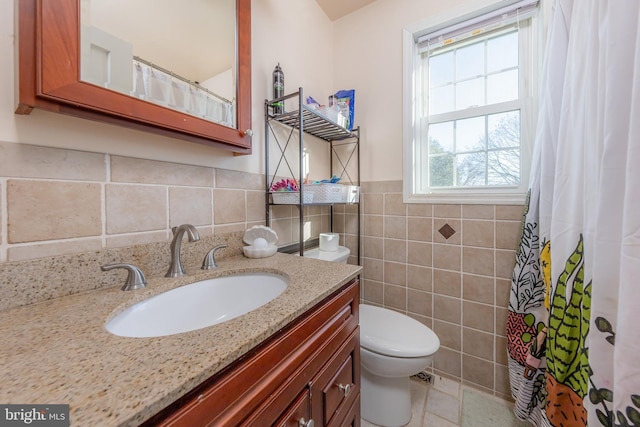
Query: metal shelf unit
[[340, 140]]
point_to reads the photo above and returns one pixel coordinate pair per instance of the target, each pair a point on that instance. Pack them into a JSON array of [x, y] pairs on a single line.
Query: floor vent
[[424, 377]]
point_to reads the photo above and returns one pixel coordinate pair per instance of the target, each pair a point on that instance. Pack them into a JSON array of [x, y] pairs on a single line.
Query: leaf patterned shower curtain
[[573, 334]]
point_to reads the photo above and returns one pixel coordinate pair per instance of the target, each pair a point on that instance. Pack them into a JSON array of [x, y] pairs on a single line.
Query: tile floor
[[437, 405]]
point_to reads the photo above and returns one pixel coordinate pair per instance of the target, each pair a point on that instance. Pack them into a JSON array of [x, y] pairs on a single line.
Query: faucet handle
[[135, 278], [209, 261]]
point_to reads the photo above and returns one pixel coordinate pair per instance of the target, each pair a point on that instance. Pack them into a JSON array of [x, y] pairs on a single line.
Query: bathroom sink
[[197, 305]]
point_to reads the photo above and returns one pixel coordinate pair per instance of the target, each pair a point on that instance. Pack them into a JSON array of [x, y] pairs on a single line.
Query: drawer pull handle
[[346, 389], [303, 423]]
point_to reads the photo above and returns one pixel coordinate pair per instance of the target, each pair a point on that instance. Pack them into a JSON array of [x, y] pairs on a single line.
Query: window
[[469, 133]]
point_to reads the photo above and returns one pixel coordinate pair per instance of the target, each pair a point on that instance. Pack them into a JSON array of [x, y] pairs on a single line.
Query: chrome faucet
[[135, 276], [175, 268], [209, 261]]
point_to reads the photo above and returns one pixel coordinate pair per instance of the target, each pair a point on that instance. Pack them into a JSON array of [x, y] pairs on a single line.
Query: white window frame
[[529, 65]]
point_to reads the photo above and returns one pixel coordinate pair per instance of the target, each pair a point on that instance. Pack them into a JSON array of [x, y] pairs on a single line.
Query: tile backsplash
[[449, 266]]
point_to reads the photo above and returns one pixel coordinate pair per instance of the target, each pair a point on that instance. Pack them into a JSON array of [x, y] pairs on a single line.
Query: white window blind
[[457, 31]]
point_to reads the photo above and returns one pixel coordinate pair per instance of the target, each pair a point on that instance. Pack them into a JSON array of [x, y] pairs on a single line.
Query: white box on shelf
[[291, 197], [351, 193]]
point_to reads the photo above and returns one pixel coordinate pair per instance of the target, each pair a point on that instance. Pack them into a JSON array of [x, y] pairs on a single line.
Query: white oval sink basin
[[197, 305]]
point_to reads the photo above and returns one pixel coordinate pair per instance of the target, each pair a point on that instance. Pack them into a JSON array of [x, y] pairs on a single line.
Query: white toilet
[[392, 348], [341, 255]]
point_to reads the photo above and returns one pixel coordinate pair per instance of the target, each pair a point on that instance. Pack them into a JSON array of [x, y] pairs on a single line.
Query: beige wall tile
[[478, 233], [505, 262], [420, 229], [373, 204], [477, 343], [395, 297], [478, 211], [122, 240], [219, 230], [509, 212], [229, 206], [478, 288], [395, 227], [22, 253], [502, 384], [501, 321], [447, 257], [281, 211], [419, 278], [419, 302], [501, 350], [507, 234], [188, 205], [32, 161], [239, 180], [373, 247], [477, 261], [477, 316], [395, 273], [373, 292], [395, 250], [503, 292], [447, 211], [381, 187], [134, 208], [255, 206], [447, 283], [393, 205], [477, 371], [449, 362], [141, 171], [420, 209], [50, 210], [373, 225], [447, 308], [351, 223], [450, 335], [283, 229], [427, 321], [419, 253], [373, 269]]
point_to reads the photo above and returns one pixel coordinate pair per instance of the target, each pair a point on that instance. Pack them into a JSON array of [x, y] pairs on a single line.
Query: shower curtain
[[573, 327]]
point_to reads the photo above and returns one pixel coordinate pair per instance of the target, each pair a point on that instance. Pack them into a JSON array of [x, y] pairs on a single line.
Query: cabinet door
[[337, 387], [298, 414]]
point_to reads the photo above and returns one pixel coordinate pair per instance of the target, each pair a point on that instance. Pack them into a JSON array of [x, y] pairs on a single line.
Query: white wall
[[296, 33], [368, 58]]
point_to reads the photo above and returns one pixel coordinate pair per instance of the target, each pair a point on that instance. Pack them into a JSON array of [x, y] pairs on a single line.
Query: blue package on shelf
[[346, 102]]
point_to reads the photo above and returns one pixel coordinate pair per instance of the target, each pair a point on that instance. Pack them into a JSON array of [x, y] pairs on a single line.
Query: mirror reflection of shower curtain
[[164, 89]]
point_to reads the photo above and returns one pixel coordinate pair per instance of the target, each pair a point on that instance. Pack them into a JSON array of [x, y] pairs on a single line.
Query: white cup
[[329, 241]]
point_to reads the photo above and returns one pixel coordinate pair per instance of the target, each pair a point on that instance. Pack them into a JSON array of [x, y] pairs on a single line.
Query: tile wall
[[448, 266]]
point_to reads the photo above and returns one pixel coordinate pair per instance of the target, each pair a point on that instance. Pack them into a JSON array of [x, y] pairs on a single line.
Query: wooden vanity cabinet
[[309, 370]]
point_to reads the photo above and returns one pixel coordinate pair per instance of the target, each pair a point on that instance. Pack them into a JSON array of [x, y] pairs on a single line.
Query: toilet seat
[[389, 333]]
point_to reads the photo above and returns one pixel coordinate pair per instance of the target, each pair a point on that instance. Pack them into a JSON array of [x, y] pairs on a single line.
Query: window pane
[[441, 170], [471, 169], [470, 134], [502, 52], [504, 129], [504, 167], [441, 69], [502, 87], [470, 93], [441, 138], [441, 100], [470, 61]]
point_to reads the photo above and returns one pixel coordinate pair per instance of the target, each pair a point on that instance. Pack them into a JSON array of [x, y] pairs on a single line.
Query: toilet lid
[[393, 334]]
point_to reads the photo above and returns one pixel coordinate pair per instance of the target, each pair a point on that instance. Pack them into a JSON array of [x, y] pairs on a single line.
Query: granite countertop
[[58, 351]]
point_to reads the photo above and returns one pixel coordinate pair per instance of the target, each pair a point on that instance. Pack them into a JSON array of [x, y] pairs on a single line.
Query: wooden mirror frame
[[49, 78]]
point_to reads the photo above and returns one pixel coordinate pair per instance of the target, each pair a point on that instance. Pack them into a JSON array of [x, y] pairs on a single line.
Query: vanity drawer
[[298, 411], [337, 386]]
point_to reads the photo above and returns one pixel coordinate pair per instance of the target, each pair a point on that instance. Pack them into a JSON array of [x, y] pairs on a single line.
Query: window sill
[[465, 198]]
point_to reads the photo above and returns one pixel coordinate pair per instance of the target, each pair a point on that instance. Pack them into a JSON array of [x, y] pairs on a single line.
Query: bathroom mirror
[[185, 73]]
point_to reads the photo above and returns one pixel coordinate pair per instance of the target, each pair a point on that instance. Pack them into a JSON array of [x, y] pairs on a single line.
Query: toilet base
[[385, 401]]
